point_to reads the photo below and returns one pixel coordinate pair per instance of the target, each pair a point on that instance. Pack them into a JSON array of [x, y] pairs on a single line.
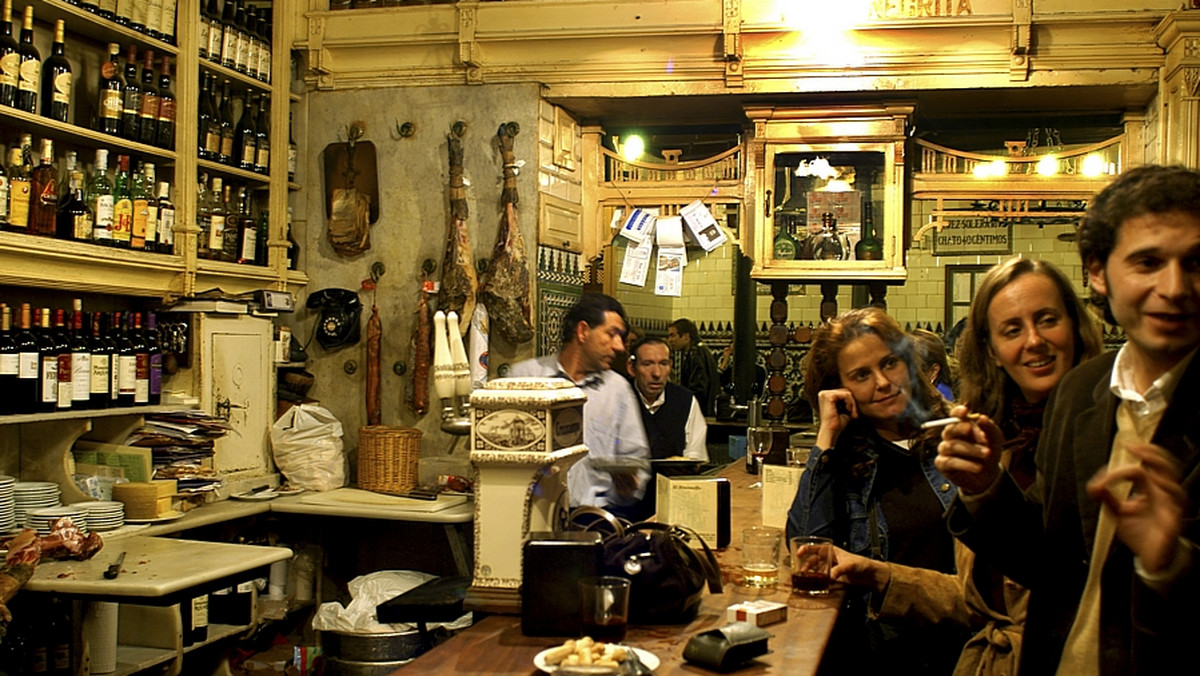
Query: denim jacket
[[833, 497]]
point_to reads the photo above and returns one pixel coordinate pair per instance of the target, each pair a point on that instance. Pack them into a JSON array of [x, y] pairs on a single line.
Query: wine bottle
[[111, 331], [226, 156], [148, 112], [194, 617], [167, 25], [137, 15], [126, 360], [262, 256], [19, 187], [60, 638], [166, 107], [154, 19], [10, 58], [112, 92], [243, 38], [203, 218], [166, 219], [3, 196], [244, 140], [229, 239], [154, 348], [25, 397], [81, 359], [252, 42], [124, 12], [785, 247], [293, 151], [56, 79], [10, 362], [30, 80], [122, 224], [229, 36], [48, 350], [262, 136], [107, 9], [100, 199], [141, 355], [139, 196], [264, 52], [62, 346], [293, 248], [869, 247], [131, 101], [247, 230], [150, 209], [70, 163], [216, 32], [43, 196], [216, 218], [209, 143], [102, 352]]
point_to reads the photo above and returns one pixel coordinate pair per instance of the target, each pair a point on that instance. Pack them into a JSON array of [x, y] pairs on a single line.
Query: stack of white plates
[[103, 514], [30, 495], [8, 510], [42, 519]]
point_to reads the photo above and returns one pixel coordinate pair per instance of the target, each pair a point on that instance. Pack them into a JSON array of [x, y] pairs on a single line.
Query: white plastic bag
[[307, 443]]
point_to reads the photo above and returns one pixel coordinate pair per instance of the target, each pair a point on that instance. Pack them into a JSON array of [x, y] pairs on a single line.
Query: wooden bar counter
[[494, 644]]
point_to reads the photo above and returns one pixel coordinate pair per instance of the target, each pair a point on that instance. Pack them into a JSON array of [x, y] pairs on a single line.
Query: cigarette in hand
[[943, 422]]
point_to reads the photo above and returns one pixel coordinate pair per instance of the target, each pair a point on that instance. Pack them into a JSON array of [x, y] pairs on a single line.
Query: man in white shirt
[[1106, 537], [615, 472], [675, 425]]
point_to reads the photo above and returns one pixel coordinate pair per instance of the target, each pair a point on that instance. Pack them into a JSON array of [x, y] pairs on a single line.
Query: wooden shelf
[[132, 659], [44, 127], [236, 77], [260, 180], [85, 414], [80, 266]]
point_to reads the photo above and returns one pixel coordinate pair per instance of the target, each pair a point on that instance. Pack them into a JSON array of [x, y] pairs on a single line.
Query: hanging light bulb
[[633, 147], [1047, 166], [993, 169], [1093, 166]]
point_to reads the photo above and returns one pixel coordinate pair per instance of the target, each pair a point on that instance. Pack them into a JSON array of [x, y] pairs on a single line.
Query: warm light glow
[[993, 169], [824, 32], [1047, 166], [633, 147], [1093, 166], [837, 185], [819, 167]]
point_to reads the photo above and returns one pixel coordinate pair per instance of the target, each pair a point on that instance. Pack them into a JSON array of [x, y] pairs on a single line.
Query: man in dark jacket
[[1106, 537], [697, 365]]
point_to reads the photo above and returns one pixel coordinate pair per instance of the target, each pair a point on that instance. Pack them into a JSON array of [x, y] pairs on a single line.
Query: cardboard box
[[759, 613], [132, 462]]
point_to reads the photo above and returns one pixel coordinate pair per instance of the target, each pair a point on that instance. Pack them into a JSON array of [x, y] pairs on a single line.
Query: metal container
[[339, 667], [390, 647]]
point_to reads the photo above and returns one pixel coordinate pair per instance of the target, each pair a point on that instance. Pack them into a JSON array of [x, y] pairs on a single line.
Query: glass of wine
[[758, 444]]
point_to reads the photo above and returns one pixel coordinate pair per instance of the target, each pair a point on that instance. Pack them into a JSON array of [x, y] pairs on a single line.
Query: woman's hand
[[969, 453], [860, 571], [836, 408]]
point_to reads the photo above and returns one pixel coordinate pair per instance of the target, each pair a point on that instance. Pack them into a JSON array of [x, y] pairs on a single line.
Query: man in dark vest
[[674, 423]]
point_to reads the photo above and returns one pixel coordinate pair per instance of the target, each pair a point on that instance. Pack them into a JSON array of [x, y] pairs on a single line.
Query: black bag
[[667, 576]]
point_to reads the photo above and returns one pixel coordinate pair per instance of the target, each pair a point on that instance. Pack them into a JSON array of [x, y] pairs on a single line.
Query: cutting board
[[357, 496]]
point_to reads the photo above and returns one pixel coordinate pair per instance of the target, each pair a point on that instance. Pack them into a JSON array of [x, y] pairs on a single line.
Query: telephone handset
[[338, 324]]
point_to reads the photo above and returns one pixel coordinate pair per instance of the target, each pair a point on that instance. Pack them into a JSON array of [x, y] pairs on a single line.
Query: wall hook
[[404, 130], [428, 266], [459, 128], [377, 270]]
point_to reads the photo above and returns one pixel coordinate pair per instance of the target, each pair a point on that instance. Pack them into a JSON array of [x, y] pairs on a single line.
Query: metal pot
[[391, 647], [340, 667]]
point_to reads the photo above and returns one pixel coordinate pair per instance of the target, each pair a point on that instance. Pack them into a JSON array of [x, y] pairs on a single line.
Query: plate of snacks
[[585, 651]]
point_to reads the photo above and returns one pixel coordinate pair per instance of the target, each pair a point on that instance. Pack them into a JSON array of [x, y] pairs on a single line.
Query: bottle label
[[154, 16], [166, 227], [785, 249], [141, 212], [110, 105], [48, 196], [132, 103], [227, 145], [108, 6], [291, 161], [216, 36], [3, 198], [50, 380], [229, 47], [83, 226], [151, 223], [103, 229], [31, 75], [114, 377], [122, 223], [10, 69], [166, 111], [37, 659], [216, 233], [212, 141], [243, 52], [100, 383], [155, 374], [81, 376], [264, 156], [18, 202], [62, 88], [127, 377], [66, 388], [27, 365], [10, 364], [61, 657], [200, 612], [249, 153], [204, 37], [149, 108], [264, 64], [249, 244]]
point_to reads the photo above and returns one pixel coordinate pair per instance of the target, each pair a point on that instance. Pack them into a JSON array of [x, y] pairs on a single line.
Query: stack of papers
[[181, 444]]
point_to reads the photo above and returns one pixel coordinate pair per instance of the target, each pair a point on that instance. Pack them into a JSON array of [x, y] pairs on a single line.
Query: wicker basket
[[388, 458]]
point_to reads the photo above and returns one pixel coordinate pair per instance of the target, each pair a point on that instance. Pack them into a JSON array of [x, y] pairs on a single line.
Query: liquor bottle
[[785, 246], [141, 354], [209, 134], [112, 92], [62, 344], [139, 196], [148, 112], [225, 114], [75, 218], [131, 100], [10, 362], [830, 245], [149, 183], [244, 139], [154, 348], [100, 382], [203, 218], [194, 616], [216, 215], [870, 247], [56, 79], [252, 42], [10, 58], [100, 199], [126, 358], [30, 80], [122, 223], [47, 400], [81, 359], [262, 136], [216, 31], [19, 188], [137, 15], [166, 219], [167, 25], [243, 38], [247, 230], [229, 36], [154, 19], [166, 107], [293, 151], [108, 9], [43, 196], [229, 239], [70, 164], [264, 52], [26, 394]]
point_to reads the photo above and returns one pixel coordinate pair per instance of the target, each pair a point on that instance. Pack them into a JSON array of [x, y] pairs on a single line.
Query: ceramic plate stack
[[8, 510], [103, 515], [41, 519], [31, 495]]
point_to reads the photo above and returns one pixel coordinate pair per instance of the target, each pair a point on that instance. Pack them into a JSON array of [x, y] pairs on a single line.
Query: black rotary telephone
[[338, 324]]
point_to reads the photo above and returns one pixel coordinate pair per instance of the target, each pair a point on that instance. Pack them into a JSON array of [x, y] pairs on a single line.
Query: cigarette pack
[[759, 613]]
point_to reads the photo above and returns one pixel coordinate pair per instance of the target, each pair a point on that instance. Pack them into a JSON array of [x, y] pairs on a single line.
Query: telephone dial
[[338, 324]]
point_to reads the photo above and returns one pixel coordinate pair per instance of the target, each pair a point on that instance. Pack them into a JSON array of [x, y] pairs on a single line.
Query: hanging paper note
[[639, 224], [636, 265], [669, 278], [668, 234], [702, 226]]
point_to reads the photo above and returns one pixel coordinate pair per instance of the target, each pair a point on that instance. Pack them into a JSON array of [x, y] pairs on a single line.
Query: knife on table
[[114, 570]]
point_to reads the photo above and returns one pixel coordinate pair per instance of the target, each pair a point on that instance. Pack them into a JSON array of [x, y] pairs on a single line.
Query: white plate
[[256, 497], [157, 519], [648, 659]]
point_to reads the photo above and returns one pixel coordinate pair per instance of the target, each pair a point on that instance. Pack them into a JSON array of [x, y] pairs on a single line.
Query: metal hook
[[405, 130], [458, 128], [377, 270]]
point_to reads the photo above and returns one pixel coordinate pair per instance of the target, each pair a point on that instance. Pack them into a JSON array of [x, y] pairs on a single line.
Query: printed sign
[[973, 236]]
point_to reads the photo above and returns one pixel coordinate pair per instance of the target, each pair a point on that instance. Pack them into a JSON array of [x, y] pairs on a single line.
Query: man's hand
[[836, 408], [860, 571], [625, 483], [969, 453], [1150, 518]]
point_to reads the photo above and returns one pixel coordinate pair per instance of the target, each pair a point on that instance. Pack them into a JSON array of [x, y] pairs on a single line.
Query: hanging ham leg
[[459, 284], [26, 549], [506, 292]]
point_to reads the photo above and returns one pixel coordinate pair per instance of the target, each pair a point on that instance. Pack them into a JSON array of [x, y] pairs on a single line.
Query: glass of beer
[[604, 608], [812, 560], [760, 556]]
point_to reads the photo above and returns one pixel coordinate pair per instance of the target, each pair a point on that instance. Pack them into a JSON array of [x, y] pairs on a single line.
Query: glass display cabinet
[[828, 186]]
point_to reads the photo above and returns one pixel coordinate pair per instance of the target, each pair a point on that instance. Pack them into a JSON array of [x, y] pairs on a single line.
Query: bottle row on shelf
[[154, 18], [130, 210], [237, 37], [241, 140], [228, 229], [51, 362]]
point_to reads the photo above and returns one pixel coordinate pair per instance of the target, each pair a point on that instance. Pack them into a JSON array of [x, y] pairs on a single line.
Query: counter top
[[154, 567], [298, 504]]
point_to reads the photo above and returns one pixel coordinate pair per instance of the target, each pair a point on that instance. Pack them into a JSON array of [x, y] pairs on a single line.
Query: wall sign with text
[[973, 235]]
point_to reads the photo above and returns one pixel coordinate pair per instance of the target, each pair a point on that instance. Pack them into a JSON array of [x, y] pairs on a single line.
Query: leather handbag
[[667, 574]]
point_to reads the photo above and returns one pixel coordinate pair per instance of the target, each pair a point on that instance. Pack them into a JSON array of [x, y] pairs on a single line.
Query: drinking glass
[[758, 444]]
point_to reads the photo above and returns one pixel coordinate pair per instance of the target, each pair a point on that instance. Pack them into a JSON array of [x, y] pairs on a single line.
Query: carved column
[[1179, 36], [775, 408]]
